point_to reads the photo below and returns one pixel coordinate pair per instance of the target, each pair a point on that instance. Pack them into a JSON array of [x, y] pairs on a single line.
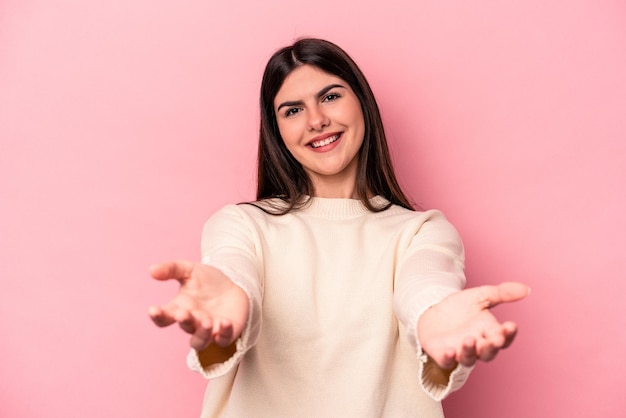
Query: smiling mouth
[[324, 142]]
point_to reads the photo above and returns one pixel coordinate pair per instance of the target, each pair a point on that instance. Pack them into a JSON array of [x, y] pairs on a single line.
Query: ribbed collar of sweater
[[340, 208]]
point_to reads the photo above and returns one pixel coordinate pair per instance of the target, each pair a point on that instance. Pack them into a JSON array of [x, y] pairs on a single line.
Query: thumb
[[179, 269], [502, 293]]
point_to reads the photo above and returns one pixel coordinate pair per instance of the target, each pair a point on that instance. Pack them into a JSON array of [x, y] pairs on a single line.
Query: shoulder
[[402, 214], [252, 208], [251, 215], [428, 225], [239, 226], [272, 207]]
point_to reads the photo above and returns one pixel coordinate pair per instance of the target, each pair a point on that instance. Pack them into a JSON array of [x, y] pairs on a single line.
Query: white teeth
[[324, 142]]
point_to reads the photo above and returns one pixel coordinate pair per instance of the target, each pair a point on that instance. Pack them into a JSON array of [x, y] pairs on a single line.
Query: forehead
[[305, 81]]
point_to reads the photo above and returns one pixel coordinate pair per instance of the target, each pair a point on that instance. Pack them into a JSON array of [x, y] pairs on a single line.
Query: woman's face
[[321, 122]]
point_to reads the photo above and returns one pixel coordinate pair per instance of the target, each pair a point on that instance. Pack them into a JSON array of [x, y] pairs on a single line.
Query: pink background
[[125, 124]]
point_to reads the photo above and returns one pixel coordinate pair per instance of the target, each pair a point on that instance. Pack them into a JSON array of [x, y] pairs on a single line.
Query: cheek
[[360, 124], [288, 135], [282, 130], [356, 115]]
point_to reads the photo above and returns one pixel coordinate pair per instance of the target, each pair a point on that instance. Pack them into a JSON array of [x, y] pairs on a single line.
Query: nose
[[317, 119]]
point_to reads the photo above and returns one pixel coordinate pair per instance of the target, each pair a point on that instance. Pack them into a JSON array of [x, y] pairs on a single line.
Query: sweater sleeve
[[430, 268], [230, 244]]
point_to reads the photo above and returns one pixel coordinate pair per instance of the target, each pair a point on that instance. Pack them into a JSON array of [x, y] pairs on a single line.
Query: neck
[[341, 185], [333, 187]]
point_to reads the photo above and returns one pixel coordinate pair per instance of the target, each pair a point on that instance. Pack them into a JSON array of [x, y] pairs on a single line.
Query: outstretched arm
[[208, 305], [462, 329]]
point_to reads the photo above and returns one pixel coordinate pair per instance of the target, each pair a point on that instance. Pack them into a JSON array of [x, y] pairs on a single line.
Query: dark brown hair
[[280, 175]]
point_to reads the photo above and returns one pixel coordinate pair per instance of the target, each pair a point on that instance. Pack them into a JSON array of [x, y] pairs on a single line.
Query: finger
[[160, 316], [446, 359], [179, 269], [486, 350], [203, 335], [510, 331], [504, 292], [186, 321], [224, 333], [468, 354]]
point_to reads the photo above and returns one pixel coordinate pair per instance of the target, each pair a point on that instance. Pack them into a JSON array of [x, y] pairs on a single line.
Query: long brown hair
[[280, 175]]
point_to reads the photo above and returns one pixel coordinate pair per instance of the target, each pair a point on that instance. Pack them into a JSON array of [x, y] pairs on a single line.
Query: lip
[[322, 138]]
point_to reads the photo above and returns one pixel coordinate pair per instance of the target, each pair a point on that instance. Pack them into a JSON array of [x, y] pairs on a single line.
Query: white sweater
[[335, 294]]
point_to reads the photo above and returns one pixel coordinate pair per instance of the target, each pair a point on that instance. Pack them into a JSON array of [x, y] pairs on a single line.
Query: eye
[[331, 97], [292, 111]]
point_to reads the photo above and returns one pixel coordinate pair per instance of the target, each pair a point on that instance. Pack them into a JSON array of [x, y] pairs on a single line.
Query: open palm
[[208, 305], [462, 329]]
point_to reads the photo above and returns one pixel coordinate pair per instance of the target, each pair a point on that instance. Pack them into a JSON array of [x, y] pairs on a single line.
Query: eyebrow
[[319, 94]]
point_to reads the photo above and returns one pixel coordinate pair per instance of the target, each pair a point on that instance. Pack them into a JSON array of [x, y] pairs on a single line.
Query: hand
[[461, 329], [208, 305]]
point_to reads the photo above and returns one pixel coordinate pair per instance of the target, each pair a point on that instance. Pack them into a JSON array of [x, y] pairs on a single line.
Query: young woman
[[329, 295]]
